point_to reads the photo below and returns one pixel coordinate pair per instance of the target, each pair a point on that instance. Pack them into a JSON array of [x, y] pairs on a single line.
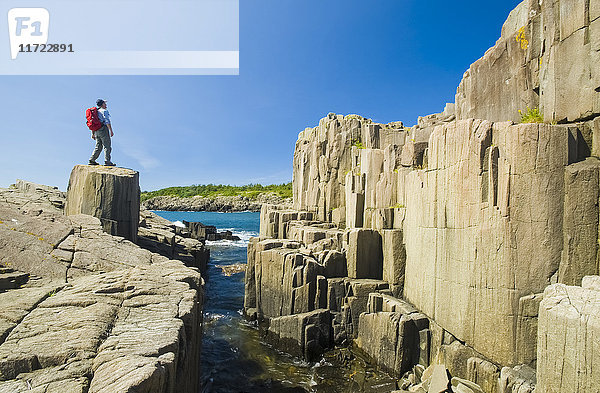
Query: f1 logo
[[27, 26]]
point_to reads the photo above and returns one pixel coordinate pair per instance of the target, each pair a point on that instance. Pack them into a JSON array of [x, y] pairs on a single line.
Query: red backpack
[[93, 122]]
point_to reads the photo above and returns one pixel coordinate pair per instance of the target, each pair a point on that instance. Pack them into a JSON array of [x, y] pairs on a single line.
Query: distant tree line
[[213, 190]]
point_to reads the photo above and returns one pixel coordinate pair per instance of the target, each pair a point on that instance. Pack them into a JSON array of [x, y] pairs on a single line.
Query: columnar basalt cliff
[[546, 57], [435, 244], [94, 312]]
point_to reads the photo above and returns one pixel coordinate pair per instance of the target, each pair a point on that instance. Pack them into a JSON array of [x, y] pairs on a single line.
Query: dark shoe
[[109, 164], [92, 163]]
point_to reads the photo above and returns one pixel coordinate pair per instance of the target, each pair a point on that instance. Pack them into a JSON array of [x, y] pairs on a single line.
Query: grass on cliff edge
[[531, 116], [214, 190]]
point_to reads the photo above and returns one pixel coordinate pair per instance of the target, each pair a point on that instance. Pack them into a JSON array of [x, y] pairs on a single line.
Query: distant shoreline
[[225, 204]]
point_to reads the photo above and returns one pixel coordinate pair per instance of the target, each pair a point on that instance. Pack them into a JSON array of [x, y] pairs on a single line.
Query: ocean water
[[234, 358]]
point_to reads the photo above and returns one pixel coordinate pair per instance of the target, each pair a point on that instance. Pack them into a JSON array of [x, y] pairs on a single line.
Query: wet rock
[[230, 270], [307, 335]]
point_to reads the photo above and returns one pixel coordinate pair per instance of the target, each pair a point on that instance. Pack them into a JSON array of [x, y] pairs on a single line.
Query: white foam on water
[[179, 224], [210, 316], [322, 363], [243, 235], [227, 243]]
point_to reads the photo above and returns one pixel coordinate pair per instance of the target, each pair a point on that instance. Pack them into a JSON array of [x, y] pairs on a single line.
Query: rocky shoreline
[[225, 204], [84, 311]]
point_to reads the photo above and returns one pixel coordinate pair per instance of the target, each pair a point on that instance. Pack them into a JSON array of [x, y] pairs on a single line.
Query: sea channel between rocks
[[235, 356]]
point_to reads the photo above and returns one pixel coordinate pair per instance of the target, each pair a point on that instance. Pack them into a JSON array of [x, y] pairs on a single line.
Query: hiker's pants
[[102, 140]]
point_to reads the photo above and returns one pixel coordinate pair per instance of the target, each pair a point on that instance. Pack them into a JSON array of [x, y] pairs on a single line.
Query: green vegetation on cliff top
[[214, 190], [532, 115]]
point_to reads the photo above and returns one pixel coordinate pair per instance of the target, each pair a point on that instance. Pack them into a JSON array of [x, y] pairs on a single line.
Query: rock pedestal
[[108, 193]]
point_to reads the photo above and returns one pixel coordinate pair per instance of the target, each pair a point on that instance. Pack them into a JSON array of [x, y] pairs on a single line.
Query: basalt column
[[108, 193]]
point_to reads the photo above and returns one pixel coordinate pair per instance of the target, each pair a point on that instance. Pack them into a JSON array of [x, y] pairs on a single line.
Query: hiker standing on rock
[[98, 121]]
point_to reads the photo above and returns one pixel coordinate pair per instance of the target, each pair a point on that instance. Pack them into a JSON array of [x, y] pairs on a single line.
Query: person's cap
[[100, 101]]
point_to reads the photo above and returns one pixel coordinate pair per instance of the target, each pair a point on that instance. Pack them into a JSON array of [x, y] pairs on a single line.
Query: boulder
[[334, 264], [108, 193], [456, 356]]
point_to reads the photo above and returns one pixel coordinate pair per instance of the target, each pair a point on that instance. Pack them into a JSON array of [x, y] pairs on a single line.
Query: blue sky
[[389, 60]]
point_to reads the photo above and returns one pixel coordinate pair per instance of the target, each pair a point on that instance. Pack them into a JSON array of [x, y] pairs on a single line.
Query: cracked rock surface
[[99, 313]]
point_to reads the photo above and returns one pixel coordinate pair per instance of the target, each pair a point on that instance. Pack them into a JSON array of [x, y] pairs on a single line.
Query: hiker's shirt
[[104, 116]]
